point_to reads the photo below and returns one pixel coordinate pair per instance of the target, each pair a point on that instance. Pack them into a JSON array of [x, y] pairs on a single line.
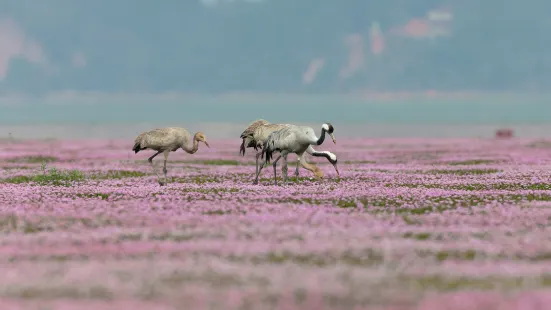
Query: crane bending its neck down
[[332, 158]]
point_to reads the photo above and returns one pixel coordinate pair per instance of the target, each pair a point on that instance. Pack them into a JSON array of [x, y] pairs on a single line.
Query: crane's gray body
[[298, 140], [291, 139]]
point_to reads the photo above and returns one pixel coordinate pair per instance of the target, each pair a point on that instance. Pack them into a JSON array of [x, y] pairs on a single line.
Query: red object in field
[[504, 133]]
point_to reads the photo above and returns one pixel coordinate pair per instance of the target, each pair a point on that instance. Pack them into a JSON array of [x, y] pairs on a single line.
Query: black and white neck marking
[[332, 158], [327, 127]]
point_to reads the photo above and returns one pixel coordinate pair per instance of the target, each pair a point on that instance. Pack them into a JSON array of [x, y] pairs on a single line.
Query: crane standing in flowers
[[256, 134], [248, 136], [166, 140], [295, 139]]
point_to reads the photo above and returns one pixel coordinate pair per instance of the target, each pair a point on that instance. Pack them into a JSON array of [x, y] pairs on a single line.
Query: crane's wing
[[158, 138], [279, 140], [247, 135], [248, 132]]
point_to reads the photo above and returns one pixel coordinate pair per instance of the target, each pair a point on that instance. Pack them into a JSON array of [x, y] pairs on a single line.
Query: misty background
[[172, 62]]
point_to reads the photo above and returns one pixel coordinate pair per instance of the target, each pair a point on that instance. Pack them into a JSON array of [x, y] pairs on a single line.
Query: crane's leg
[[298, 165], [258, 154], [150, 160], [261, 148], [259, 168], [275, 169], [164, 168], [284, 169]]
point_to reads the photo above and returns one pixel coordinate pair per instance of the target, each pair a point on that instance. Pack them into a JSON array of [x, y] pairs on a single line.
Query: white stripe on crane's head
[[328, 127]]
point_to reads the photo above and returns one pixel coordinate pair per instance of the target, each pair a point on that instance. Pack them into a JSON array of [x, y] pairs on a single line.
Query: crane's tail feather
[[242, 148], [268, 151]]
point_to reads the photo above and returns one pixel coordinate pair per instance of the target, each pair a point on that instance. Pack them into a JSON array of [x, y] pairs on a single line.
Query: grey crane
[[298, 140], [256, 134], [166, 140]]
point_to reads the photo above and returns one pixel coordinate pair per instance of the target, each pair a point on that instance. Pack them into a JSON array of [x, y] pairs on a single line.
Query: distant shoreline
[[394, 114], [219, 130]]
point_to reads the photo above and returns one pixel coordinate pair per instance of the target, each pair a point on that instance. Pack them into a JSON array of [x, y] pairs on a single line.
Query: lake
[[224, 116]]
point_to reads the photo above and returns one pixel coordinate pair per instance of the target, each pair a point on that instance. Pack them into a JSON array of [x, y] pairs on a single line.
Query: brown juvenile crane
[[166, 140]]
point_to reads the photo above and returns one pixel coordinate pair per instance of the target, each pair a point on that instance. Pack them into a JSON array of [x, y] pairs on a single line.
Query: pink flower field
[[411, 224]]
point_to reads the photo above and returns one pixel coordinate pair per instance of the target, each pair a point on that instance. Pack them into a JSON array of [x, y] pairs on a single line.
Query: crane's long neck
[[321, 138], [325, 154], [191, 148], [332, 158]]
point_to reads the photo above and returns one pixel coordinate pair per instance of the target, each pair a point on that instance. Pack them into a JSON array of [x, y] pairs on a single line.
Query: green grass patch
[[456, 255], [346, 203], [11, 223], [383, 170], [453, 283], [58, 292], [429, 204], [472, 162], [17, 167], [464, 171], [471, 254], [411, 221], [418, 236], [217, 162], [368, 257], [102, 196], [117, 174], [34, 159], [416, 205], [223, 212], [478, 186], [215, 191], [176, 236], [51, 176]]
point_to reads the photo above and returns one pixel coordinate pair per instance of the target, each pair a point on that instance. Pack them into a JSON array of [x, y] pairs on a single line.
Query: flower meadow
[[410, 224]]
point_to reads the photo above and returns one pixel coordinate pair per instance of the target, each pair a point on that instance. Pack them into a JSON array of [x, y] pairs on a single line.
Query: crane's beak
[[333, 137], [336, 169], [206, 144]]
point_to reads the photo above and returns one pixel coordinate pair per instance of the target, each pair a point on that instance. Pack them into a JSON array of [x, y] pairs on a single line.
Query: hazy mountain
[[273, 45]]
